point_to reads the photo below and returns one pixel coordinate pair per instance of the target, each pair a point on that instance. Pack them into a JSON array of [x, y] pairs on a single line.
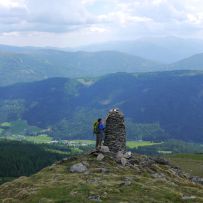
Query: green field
[[89, 142], [19, 126], [136, 144], [38, 139], [5, 124], [191, 163], [34, 139], [130, 144], [46, 139]]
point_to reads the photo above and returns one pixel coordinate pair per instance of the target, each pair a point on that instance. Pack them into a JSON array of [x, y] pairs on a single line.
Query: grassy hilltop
[[142, 180]]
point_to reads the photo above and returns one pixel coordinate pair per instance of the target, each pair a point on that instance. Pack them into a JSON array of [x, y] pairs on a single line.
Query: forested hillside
[[23, 159], [157, 106]]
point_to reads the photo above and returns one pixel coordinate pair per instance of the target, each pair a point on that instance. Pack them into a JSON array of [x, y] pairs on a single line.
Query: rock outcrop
[[115, 133]]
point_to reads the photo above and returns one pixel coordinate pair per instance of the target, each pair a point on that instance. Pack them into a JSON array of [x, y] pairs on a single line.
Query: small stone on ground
[[100, 157], [104, 149], [95, 198], [124, 161], [78, 168]]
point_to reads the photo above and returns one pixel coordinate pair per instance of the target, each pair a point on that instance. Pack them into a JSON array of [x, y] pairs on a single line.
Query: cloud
[[63, 15], [11, 3], [44, 16], [99, 20], [138, 18]]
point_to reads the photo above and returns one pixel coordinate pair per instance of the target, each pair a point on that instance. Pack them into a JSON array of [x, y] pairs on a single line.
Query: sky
[[69, 23]]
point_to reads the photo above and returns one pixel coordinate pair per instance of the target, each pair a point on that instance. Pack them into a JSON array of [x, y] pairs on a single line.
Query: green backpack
[[96, 127]]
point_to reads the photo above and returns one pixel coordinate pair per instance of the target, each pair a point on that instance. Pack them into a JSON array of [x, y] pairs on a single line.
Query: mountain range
[[26, 64], [32, 65], [157, 106], [162, 49]]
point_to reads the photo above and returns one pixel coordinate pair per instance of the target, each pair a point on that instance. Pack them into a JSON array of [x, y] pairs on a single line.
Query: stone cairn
[[115, 134]]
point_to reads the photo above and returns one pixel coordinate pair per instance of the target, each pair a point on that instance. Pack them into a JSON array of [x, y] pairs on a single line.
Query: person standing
[[99, 132]]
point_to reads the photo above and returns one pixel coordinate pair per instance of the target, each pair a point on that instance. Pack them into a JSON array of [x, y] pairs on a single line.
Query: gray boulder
[[158, 175], [197, 179], [104, 149], [78, 168], [161, 161], [188, 198], [119, 156], [100, 157], [95, 198], [124, 161], [127, 155]]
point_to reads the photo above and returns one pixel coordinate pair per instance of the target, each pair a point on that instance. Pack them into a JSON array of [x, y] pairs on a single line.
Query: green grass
[[12, 137], [58, 151], [34, 139], [130, 144], [136, 144], [45, 139], [19, 127], [5, 124], [191, 163], [6, 179], [89, 142], [38, 139], [189, 156]]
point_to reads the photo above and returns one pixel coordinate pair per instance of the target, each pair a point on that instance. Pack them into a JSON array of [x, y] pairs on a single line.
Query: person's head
[[99, 120]]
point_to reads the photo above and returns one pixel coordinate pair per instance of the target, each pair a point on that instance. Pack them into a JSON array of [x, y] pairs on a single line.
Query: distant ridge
[[194, 62], [32, 64], [161, 49], [25, 64]]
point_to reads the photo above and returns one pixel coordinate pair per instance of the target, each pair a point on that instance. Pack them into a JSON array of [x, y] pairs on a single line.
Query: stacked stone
[[115, 134]]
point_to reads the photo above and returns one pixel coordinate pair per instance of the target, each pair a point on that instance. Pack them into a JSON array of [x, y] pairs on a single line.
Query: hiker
[[99, 132]]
